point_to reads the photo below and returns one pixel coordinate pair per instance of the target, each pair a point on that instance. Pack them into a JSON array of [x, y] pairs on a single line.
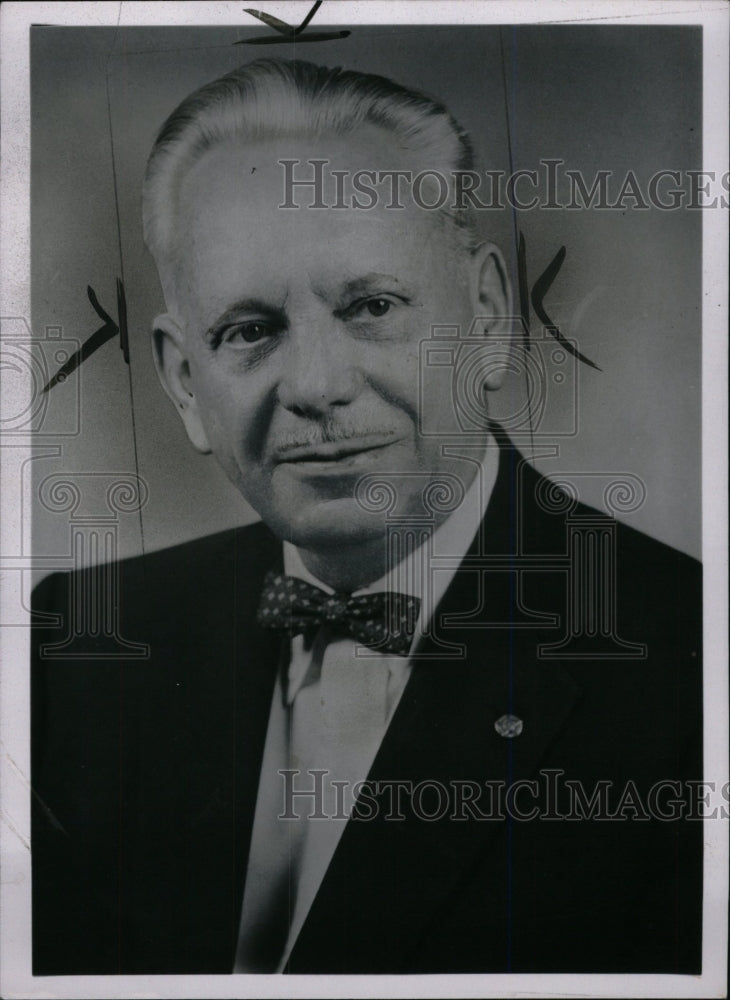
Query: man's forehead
[[283, 182], [231, 219], [256, 161]]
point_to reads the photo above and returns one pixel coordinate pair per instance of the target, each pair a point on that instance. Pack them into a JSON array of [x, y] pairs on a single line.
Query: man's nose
[[319, 368]]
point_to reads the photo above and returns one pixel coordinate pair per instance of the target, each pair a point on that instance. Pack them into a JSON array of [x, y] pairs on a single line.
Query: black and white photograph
[[364, 483]]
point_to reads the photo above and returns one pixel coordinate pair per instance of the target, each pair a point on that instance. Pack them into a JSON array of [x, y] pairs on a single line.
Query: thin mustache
[[328, 433]]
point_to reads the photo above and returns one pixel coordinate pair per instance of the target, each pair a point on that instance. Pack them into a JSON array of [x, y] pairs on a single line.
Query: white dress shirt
[[330, 711]]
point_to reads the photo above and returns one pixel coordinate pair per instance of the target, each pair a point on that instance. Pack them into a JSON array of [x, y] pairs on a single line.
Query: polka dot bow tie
[[384, 621]]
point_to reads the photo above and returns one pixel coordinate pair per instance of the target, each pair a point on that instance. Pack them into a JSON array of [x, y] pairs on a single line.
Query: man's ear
[[492, 302], [173, 371]]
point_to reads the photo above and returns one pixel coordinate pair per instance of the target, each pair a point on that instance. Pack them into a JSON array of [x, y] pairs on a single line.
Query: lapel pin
[[508, 726]]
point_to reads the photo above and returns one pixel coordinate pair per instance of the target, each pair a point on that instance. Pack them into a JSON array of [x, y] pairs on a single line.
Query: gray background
[[599, 98]]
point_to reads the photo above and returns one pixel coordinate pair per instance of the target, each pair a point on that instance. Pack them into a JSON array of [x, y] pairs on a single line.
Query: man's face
[[293, 339]]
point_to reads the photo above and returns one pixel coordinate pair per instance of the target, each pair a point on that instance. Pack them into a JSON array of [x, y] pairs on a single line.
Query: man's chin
[[329, 524]]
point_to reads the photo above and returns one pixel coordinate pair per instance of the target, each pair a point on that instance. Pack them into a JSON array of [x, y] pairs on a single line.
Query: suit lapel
[[389, 875]]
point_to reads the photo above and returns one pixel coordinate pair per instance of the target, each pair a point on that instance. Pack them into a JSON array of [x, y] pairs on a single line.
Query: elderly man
[[359, 744]]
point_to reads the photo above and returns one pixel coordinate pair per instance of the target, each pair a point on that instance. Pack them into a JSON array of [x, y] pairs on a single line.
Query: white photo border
[[15, 906]]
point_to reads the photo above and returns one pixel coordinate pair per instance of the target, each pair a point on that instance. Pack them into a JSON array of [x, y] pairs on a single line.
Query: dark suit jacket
[[145, 771]]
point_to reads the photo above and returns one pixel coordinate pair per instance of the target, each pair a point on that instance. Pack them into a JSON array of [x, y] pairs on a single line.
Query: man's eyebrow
[[367, 283], [233, 312]]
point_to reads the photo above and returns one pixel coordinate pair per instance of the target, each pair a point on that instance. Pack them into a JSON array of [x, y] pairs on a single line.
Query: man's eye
[[377, 307], [249, 333]]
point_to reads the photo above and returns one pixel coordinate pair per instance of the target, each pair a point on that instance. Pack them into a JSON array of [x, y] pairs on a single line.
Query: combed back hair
[[274, 98]]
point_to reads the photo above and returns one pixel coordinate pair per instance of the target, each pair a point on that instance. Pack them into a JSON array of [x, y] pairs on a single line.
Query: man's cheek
[[397, 367], [227, 436]]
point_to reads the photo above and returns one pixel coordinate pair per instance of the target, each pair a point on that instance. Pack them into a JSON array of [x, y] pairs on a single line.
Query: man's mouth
[[332, 452]]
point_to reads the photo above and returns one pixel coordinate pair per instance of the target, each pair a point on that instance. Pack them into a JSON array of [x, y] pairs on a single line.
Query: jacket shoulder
[[235, 550]]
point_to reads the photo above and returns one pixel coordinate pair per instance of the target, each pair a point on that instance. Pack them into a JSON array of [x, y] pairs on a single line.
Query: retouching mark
[[106, 332], [47, 811], [13, 829], [288, 32], [539, 291]]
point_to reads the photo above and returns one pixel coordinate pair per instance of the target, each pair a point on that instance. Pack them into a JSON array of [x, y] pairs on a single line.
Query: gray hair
[[270, 98]]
